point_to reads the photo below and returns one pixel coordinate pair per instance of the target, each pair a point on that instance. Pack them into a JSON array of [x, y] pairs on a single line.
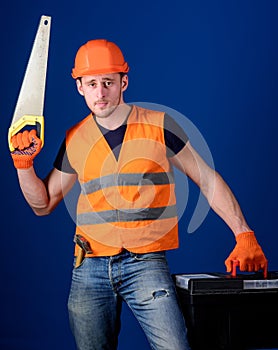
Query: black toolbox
[[225, 312]]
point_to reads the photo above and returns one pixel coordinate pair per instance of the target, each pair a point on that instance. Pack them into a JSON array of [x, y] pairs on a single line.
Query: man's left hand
[[248, 252]]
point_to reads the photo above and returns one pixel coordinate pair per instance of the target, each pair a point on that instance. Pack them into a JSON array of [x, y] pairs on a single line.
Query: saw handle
[[38, 121]]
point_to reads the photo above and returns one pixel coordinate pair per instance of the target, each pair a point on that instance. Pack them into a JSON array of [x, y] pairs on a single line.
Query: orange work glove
[[248, 252], [27, 145]]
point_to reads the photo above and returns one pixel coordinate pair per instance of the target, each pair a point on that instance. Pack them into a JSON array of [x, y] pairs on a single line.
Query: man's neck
[[115, 119]]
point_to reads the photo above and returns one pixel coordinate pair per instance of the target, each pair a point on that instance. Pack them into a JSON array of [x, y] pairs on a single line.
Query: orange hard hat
[[99, 56]]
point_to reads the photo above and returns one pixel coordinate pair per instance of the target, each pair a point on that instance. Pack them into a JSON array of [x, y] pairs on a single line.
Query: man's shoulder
[[80, 124], [147, 115]]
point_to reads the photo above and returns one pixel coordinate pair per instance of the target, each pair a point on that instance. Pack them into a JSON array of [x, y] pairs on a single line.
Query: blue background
[[214, 62]]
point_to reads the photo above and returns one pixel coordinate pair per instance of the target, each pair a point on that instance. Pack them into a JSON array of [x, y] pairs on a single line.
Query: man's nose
[[100, 91]]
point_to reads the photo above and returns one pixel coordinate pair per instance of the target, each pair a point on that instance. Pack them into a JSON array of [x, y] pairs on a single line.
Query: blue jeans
[[144, 282]]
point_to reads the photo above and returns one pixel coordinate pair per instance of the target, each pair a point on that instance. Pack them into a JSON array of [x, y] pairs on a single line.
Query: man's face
[[103, 92]]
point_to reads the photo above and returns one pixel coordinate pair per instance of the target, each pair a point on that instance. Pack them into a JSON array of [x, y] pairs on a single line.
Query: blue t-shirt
[[175, 140]]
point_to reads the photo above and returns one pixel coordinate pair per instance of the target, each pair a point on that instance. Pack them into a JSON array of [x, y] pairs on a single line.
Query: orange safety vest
[[127, 203]]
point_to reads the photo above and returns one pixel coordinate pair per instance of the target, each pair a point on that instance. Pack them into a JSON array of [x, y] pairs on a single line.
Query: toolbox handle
[[235, 263]]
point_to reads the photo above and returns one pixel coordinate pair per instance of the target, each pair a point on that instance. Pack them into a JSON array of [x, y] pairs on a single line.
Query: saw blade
[[30, 102]]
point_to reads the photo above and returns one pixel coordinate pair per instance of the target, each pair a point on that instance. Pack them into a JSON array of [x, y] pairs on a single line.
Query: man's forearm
[[33, 189], [214, 188], [224, 203]]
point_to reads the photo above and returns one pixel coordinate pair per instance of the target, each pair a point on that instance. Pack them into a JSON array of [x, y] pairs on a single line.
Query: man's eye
[[108, 83]]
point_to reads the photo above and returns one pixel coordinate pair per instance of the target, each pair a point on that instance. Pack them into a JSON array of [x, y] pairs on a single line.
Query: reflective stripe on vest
[[127, 180], [126, 215]]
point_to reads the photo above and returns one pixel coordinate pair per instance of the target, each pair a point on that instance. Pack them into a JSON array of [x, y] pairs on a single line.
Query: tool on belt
[[30, 103], [83, 247]]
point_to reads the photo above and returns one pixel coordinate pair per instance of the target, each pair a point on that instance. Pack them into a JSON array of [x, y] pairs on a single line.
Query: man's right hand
[[27, 146]]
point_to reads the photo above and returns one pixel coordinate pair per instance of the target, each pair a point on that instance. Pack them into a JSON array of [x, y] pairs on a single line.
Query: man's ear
[[79, 86], [124, 82]]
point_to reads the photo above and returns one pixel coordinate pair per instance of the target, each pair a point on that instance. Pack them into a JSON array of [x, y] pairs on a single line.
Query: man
[[123, 156]]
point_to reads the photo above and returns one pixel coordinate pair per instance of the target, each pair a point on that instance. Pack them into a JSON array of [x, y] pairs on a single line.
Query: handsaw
[[30, 102]]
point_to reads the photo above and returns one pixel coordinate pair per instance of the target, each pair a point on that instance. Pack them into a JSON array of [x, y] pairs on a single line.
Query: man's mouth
[[101, 104]]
